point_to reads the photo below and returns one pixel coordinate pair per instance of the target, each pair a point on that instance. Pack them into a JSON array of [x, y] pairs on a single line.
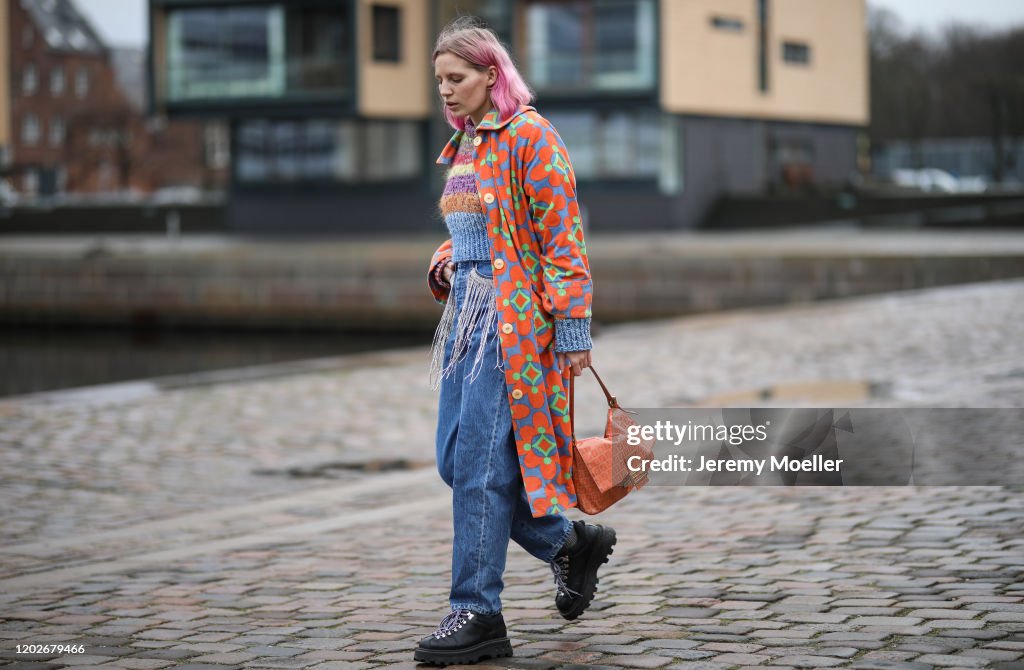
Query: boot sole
[[597, 558], [498, 648]]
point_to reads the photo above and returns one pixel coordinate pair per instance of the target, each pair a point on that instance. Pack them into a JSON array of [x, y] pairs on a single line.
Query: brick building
[[67, 125]]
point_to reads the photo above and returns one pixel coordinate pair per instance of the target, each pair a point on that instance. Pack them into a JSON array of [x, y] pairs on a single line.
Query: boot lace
[[455, 620], [560, 568]]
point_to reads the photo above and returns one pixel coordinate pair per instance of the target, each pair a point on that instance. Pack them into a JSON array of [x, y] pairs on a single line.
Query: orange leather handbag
[[600, 472]]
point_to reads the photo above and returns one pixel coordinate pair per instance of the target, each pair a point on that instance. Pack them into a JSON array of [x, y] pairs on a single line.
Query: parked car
[[931, 180]]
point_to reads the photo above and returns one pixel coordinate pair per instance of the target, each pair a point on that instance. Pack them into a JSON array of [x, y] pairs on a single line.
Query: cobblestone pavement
[[225, 525]]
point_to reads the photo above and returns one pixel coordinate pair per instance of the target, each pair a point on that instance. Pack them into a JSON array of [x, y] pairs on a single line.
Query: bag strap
[[612, 401]]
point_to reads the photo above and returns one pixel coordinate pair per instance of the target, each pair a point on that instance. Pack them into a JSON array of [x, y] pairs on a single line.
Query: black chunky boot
[[576, 568], [465, 637]]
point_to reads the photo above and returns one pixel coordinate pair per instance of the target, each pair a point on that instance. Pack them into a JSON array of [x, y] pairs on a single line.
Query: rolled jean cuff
[[573, 335], [476, 609]]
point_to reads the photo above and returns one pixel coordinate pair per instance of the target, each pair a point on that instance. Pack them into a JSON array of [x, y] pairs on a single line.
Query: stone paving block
[[138, 664], [889, 655], [891, 665], [943, 614], [338, 655], [1006, 644], [226, 658], [731, 647], [686, 654], [82, 659], [279, 662], [816, 618], [688, 612], [973, 634], [637, 661], [870, 611], [611, 639], [953, 661], [659, 643], [993, 654], [783, 633], [841, 652], [742, 659], [808, 661], [618, 649], [900, 621]]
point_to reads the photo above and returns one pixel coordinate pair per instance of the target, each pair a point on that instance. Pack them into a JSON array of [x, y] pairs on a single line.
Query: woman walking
[[515, 281]]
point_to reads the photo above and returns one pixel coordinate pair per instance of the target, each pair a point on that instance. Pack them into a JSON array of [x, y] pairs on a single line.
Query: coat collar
[[489, 122]]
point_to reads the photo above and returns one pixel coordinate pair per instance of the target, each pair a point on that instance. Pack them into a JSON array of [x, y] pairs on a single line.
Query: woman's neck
[[479, 115]]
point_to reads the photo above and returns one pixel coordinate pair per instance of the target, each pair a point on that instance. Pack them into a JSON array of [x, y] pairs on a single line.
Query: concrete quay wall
[[370, 284]]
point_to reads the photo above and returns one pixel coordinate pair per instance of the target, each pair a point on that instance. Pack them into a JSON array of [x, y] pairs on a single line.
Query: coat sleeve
[[442, 255], [550, 187]]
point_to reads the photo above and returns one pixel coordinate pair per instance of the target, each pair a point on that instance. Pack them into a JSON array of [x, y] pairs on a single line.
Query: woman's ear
[[492, 76]]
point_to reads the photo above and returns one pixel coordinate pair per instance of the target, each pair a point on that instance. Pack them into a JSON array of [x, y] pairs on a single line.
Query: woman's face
[[462, 87]]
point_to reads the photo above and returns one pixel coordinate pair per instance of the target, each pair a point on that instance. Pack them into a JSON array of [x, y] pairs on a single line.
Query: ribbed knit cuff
[[573, 335]]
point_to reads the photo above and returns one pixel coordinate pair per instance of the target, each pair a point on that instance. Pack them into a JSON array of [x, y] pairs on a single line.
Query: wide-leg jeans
[[477, 458]]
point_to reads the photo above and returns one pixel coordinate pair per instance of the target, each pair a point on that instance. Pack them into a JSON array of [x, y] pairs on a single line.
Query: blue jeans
[[477, 457]]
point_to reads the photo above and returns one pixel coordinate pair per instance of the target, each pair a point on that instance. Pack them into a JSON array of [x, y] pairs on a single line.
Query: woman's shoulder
[[530, 117], [531, 126]]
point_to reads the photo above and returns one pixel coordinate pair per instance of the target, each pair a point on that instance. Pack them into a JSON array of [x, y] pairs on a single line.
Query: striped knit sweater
[[460, 206]]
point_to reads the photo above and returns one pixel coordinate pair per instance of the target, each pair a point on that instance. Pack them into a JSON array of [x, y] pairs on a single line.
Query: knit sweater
[[460, 206]]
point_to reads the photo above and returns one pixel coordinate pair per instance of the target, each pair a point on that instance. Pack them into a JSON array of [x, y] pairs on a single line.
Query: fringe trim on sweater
[[478, 311]]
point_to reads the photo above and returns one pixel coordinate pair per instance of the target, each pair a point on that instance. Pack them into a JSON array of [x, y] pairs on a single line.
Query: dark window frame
[[386, 18], [728, 24], [795, 52]]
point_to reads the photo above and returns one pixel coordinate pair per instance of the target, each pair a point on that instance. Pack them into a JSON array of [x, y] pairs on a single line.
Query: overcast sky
[[123, 22]]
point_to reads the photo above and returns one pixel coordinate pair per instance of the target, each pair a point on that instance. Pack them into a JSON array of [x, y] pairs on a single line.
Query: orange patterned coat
[[527, 190]]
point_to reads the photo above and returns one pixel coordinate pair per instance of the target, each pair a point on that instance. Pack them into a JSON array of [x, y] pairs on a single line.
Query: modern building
[[665, 105], [66, 125]]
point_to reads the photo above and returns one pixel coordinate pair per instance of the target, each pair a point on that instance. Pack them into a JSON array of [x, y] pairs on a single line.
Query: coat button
[[499, 264], [517, 394], [507, 328], [477, 141], [488, 198]]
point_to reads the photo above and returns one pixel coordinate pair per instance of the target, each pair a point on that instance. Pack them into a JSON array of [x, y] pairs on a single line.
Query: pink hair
[[467, 38]]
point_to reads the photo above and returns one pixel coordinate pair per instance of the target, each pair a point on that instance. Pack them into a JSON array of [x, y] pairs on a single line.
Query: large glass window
[[319, 150], [317, 46], [597, 45], [614, 145], [256, 51]]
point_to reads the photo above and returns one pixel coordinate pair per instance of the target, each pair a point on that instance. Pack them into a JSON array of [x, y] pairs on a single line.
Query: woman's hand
[[448, 271], [577, 360]]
